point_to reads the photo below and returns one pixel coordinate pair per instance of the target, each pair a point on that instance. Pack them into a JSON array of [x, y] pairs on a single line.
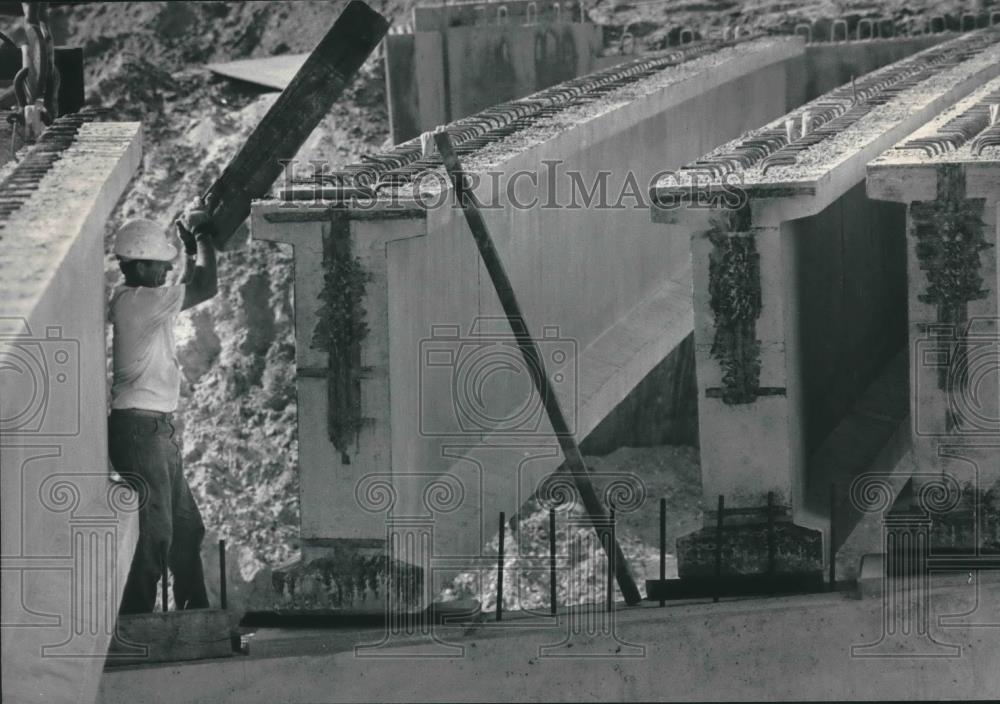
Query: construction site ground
[[807, 647]]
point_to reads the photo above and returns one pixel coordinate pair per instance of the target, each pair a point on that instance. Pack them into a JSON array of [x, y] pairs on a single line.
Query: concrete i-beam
[[68, 532], [799, 293], [947, 174], [601, 285]]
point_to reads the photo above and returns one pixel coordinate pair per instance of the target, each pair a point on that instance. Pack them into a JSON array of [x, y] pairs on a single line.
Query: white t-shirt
[[146, 373]]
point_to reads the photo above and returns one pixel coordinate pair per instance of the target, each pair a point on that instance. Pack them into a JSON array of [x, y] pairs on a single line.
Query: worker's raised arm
[[201, 283], [190, 251]]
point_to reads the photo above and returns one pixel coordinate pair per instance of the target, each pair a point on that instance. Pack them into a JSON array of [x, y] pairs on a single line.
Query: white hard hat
[[143, 239]]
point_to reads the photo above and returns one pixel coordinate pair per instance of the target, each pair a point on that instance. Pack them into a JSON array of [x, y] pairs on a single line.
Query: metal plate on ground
[[274, 72]]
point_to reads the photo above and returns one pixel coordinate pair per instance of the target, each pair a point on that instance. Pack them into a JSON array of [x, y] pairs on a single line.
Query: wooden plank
[[171, 636], [293, 117]]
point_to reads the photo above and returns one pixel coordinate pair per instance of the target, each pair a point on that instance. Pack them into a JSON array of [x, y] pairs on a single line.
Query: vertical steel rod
[[535, 363], [553, 606], [833, 525], [163, 588], [223, 597], [611, 564], [770, 540], [663, 550], [503, 524], [718, 547]]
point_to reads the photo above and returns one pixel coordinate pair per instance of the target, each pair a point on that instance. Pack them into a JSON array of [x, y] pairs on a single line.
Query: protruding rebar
[[163, 581], [872, 27], [718, 547], [770, 539], [553, 605], [833, 29], [833, 534], [663, 549], [611, 562], [531, 14], [223, 597], [503, 525]]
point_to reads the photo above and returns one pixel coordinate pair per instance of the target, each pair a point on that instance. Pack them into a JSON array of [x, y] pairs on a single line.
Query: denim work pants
[[145, 452]]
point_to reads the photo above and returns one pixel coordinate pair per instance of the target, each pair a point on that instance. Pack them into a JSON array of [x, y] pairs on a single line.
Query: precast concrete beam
[[68, 532], [800, 282], [563, 179], [947, 174]]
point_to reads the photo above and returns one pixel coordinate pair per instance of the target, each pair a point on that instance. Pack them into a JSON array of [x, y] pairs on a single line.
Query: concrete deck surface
[[783, 648]]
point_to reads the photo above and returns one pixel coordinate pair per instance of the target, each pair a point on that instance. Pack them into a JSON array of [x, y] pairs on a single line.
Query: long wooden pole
[[305, 101], [536, 366]]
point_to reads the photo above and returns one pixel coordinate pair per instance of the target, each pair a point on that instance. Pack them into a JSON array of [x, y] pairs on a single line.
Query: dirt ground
[[145, 61]]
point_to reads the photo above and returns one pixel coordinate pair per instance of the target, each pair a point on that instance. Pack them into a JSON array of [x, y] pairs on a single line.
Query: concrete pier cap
[[800, 295]]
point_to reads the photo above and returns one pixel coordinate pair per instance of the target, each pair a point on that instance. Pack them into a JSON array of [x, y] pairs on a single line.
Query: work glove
[[195, 224], [187, 237]]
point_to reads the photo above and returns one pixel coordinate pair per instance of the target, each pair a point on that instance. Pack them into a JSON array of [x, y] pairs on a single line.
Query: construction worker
[[143, 441]]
